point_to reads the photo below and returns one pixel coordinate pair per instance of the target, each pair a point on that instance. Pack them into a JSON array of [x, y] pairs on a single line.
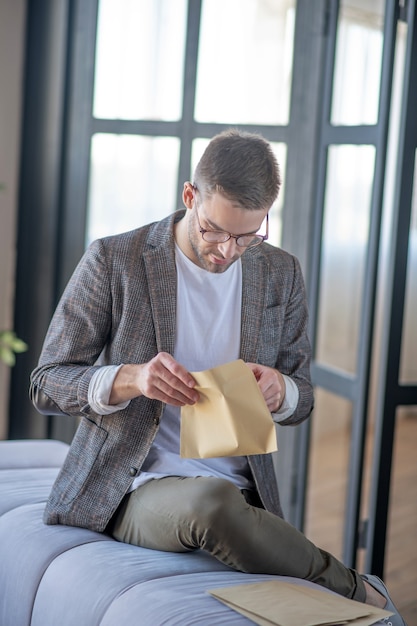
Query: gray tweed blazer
[[120, 307]]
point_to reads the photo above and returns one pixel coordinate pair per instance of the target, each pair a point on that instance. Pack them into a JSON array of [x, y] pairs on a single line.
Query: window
[[142, 152]]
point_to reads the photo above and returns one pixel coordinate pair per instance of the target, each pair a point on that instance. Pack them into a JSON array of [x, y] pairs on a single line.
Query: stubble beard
[[202, 259]]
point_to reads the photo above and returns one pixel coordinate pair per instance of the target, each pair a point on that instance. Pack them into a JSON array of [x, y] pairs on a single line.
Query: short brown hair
[[241, 166]]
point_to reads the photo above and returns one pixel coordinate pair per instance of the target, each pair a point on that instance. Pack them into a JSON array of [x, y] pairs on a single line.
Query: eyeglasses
[[220, 236]]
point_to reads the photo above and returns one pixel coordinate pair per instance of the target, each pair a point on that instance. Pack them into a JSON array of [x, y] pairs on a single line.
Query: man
[[144, 309]]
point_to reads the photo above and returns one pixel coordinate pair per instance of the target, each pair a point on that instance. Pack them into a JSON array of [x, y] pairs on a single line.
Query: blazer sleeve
[[75, 339], [294, 354]]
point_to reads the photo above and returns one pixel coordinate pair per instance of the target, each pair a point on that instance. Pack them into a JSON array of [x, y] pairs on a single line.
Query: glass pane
[[133, 182], [245, 61], [401, 551], [275, 214], [328, 471], [401, 556], [358, 62], [140, 59], [408, 366], [350, 172]]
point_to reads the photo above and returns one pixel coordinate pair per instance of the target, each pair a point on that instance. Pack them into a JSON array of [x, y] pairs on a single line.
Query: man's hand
[[162, 378], [271, 383]]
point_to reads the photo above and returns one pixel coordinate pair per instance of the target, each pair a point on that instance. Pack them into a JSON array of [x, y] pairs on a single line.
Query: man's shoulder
[[150, 235], [274, 255], [131, 237]]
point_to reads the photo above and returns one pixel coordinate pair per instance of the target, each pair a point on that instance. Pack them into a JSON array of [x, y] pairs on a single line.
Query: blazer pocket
[[85, 448]]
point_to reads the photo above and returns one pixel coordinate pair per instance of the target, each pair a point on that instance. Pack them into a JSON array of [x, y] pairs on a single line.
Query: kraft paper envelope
[[276, 603], [231, 418]]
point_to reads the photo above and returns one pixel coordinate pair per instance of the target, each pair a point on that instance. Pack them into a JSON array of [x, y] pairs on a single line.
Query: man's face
[[217, 213]]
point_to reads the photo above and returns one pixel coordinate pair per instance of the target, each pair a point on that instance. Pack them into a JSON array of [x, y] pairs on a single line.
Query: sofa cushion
[[183, 600], [112, 583], [32, 453], [66, 576], [28, 547], [25, 486]]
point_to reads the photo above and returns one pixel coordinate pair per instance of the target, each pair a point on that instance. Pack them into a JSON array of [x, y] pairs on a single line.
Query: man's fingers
[[271, 385], [166, 380], [175, 371]]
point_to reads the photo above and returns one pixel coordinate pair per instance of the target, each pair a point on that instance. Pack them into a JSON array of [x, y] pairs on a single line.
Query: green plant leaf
[[19, 346], [7, 356], [7, 336], [9, 345]]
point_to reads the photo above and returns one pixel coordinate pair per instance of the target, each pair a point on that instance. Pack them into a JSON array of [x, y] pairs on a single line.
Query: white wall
[[12, 28]]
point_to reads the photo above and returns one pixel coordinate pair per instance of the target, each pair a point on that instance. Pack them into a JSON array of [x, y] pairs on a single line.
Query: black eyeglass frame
[[225, 236]]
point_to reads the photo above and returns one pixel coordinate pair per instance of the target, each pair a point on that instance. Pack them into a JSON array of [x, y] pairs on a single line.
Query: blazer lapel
[[162, 281], [255, 280]]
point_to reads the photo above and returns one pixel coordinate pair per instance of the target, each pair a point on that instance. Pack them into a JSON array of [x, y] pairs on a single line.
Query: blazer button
[[133, 471]]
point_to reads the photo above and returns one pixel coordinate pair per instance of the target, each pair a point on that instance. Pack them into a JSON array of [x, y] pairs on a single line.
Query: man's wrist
[[125, 384], [99, 390], [289, 402]]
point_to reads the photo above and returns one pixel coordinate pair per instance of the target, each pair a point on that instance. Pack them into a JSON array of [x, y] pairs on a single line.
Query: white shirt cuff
[[99, 390], [290, 402]]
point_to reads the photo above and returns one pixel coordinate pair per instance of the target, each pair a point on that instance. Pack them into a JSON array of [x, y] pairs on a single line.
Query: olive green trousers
[[179, 514]]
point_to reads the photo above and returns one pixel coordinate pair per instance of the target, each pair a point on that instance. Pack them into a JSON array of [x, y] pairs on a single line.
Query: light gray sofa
[[65, 576]]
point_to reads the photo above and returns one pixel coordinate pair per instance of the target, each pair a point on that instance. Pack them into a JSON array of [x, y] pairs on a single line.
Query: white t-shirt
[[207, 334]]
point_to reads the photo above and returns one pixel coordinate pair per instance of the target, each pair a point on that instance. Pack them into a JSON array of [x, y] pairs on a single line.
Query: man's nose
[[228, 248]]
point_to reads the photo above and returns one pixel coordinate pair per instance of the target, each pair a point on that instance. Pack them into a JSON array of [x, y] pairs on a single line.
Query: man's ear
[[188, 193]]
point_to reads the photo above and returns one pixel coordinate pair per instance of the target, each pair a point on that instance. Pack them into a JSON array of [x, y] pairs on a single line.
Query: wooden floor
[[325, 508]]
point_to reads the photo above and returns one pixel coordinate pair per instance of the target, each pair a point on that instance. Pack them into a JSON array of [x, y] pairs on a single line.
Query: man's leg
[[180, 514]]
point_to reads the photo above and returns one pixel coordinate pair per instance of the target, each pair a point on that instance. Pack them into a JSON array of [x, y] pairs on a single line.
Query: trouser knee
[[211, 508], [212, 500]]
